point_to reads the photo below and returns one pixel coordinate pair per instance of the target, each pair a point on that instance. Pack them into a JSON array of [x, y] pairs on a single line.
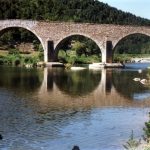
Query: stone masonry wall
[[57, 31]]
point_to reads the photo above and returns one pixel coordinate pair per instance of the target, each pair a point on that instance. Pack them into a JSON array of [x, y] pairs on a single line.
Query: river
[[55, 109]]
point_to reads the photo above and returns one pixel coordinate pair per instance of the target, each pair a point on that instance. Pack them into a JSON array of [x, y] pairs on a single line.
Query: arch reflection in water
[[92, 88], [82, 83], [124, 84], [21, 79], [77, 83], [68, 118]]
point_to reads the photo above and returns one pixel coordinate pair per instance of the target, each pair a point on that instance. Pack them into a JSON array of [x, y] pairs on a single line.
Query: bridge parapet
[[17, 22]]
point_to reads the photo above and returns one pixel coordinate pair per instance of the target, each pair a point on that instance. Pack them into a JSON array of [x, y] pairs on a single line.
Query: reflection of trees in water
[[124, 84], [20, 78], [77, 82]]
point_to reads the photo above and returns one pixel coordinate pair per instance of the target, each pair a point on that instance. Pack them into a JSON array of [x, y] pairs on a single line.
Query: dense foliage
[[14, 36], [67, 10], [78, 49], [15, 58], [134, 44]]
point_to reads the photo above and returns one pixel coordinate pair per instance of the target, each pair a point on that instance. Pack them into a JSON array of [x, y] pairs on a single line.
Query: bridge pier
[[107, 53], [50, 49]]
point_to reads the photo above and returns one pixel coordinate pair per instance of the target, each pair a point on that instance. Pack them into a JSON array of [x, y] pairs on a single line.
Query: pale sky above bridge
[[138, 7]]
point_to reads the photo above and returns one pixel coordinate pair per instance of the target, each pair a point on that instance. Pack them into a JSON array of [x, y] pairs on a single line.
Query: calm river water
[[55, 109]]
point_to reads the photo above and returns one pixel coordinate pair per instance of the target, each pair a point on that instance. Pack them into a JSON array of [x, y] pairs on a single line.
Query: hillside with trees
[[91, 11]]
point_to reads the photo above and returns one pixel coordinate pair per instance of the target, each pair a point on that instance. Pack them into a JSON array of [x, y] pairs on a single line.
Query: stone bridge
[[51, 34]]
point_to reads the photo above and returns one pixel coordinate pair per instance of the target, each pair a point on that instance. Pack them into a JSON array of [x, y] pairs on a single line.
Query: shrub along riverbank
[[79, 50], [134, 144], [128, 57], [72, 58], [15, 58]]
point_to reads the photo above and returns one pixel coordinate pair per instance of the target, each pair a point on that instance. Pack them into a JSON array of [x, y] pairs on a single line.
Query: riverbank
[[105, 65], [131, 58], [14, 57]]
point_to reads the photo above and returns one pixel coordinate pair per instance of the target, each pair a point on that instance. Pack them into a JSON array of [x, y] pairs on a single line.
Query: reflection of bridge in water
[[103, 95]]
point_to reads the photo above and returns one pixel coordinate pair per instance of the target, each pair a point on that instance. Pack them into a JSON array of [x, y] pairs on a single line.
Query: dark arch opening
[[77, 49], [75, 83], [19, 42], [133, 45]]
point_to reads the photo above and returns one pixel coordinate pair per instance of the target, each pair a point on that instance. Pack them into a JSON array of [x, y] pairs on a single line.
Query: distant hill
[[91, 11]]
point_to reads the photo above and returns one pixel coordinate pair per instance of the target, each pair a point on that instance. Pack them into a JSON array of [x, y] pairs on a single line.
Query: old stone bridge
[[52, 34]]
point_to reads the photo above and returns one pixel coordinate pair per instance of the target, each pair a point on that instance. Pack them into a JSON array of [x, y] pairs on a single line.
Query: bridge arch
[[128, 36], [4, 29], [66, 37]]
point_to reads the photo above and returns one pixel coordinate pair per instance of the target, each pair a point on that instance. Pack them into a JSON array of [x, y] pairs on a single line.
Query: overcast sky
[[138, 7]]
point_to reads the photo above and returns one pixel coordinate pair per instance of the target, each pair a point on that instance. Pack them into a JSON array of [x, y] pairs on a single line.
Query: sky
[[138, 7]]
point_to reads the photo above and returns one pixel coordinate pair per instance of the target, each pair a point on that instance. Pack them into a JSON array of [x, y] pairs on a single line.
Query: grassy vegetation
[[79, 50], [128, 57], [72, 58], [133, 144], [15, 58]]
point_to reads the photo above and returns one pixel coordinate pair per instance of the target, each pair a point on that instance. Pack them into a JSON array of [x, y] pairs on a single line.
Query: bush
[[147, 130], [132, 143], [71, 57], [41, 56], [14, 52]]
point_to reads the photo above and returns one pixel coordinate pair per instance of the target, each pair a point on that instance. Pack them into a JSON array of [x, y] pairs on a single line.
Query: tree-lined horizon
[[91, 11]]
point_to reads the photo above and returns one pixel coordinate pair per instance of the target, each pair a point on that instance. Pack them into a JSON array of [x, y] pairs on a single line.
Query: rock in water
[[76, 148], [136, 79], [144, 81], [1, 137]]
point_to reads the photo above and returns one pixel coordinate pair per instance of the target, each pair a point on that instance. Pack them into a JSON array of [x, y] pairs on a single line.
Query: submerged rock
[[136, 79], [144, 81]]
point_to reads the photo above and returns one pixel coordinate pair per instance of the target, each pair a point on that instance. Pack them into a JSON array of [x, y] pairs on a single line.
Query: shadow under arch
[[5, 29], [128, 36], [67, 37], [77, 83]]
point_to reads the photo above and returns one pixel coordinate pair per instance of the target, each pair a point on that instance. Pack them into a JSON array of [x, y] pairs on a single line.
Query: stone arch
[[2, 30], [64, 38], [125, 36], [116, 43]]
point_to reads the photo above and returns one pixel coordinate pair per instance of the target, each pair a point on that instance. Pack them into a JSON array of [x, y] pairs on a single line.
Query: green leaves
[[67, 10], [147, 130], [79, 49], [132, 143], [134, 44]]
